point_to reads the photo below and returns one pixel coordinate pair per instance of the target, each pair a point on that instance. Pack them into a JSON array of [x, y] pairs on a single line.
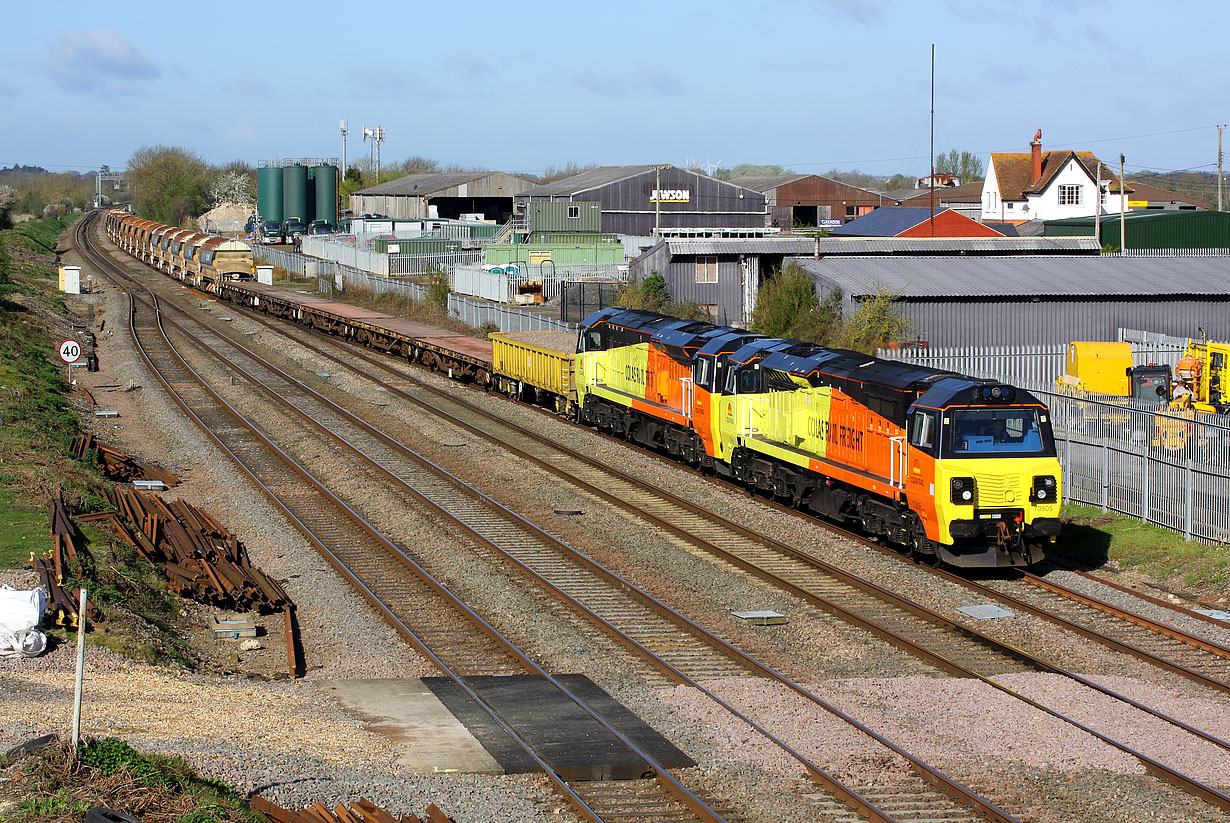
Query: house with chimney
[[1048, 185]]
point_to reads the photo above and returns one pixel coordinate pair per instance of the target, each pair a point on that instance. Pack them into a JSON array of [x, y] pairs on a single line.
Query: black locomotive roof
[[969, 391], [728, 340]]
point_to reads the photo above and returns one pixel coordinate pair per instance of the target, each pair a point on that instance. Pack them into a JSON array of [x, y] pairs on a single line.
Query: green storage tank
[[294, 193], [326, 193], [269, 193]]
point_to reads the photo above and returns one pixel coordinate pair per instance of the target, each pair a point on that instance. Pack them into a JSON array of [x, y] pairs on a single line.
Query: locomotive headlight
[[962, 489], [1045, 489]]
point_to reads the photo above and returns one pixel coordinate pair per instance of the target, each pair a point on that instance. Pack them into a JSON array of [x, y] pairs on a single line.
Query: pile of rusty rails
[[117, 466], [65, 556], [199, 558], [360, 811]]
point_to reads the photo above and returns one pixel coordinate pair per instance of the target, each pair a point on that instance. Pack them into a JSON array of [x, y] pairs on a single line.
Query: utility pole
[[932, 197], [1097, 209], [1122, 212], [1219, 131], [657, 202]]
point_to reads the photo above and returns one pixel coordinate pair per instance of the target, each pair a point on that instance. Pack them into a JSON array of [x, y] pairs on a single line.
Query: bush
[[437, 290], [650, 295], [6, 266], [787, 306], [877, 321]]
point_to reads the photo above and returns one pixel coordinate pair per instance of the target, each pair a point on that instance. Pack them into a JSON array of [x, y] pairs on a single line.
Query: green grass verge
[[1093, 537], [21, 530], [109, 772]]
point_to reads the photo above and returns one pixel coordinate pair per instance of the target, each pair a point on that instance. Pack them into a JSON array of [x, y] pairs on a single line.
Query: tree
[[787, 307], [966, 165], [899, 181], [8, 200], [650, 295], [750, 170], [230, 187], [877, 321], [168, 184]]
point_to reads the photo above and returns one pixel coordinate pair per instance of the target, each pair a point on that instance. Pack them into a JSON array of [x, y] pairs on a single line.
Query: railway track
[[677, 654], [944, 642], [903, 623], [939, 640]]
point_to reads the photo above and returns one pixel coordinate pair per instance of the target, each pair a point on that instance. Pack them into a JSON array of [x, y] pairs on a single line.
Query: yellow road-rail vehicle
[[955, 468], [201, 260]]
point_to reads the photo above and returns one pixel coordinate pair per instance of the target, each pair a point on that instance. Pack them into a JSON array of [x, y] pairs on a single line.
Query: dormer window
[[1069, 195]]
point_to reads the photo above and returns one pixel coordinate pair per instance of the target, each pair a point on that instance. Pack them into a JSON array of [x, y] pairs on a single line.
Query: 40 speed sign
[[70, 351]]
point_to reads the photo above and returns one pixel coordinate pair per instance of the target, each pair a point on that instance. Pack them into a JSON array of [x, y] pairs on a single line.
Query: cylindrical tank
[[326, 193], [294, 192], [269, 193], [311, 195]]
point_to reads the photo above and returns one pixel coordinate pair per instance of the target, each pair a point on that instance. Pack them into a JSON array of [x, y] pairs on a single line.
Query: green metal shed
[[1160, 229], [561, 254], [559, 216]]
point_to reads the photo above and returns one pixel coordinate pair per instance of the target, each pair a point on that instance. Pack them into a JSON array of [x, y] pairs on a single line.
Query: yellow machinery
[[1204, 372], [1106, 368]]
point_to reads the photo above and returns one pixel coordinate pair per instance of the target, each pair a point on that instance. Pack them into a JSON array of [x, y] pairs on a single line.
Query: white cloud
[[97, 61]]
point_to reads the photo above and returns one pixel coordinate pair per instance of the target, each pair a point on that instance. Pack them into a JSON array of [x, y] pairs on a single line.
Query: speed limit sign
[[70, 351]]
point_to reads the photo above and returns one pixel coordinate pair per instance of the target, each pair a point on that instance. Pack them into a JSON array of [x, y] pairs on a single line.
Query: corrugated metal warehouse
[[637, 199], [724, 275], [806, 199], [1158, 229], [489, 193], [1028, 300]]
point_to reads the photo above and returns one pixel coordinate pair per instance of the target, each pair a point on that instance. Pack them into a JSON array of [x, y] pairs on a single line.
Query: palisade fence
[[356, 256], [332, 276], [1122, 454], [471, 312], [503, 287]]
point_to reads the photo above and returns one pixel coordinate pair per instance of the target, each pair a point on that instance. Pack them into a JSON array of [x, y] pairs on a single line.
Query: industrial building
[[810, 200], [962, 300], [905, 221], [447, 195], [725, 274], [644, 201], [1154, 229]]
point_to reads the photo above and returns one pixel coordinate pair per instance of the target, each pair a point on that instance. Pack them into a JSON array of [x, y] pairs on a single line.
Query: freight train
[[951, 468], [201, 260], [948, 467]]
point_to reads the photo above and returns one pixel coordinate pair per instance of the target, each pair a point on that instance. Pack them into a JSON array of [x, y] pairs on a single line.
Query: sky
[[811, 85]]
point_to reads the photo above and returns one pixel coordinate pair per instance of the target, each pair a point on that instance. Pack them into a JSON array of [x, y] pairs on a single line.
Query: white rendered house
[[1048, 185]]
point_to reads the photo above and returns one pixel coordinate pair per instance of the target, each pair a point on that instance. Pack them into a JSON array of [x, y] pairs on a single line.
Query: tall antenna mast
[[932, 197], [345, 131]]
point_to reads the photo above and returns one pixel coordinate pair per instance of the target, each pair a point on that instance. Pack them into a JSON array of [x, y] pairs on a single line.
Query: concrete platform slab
[[406, 710]]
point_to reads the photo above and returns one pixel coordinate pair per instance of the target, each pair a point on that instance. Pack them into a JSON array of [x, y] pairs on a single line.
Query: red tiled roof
[[1012, 171]]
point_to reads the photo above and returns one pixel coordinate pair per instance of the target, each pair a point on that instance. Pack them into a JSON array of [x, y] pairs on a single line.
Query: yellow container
[[1099, 368], [543, 360]]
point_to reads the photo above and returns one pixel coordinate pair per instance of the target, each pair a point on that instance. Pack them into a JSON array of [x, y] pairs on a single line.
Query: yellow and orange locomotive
[[953, 467]]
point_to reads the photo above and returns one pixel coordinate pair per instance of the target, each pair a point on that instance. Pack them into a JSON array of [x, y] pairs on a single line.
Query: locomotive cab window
[[702, 373], [594, 340], [991, 432], [923, 430], [749, 381]]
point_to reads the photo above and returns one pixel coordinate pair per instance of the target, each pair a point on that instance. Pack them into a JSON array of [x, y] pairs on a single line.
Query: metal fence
[[581, 298], [1125, 455], [471, 312], [504, 287]]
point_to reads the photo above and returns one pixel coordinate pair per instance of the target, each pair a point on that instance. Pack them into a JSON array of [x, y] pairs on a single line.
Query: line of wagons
[[954, 468], [201, 260]]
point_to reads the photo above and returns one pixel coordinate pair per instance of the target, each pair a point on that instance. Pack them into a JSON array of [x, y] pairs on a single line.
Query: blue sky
[[521, 86]]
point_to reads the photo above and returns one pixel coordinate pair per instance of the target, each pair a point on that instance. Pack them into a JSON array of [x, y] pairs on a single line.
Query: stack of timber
[[117, 466], [62, 605], [360, 811], [200, 559]]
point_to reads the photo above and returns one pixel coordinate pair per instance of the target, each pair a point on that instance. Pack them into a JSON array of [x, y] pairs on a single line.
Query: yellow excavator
[[1203, 378]]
